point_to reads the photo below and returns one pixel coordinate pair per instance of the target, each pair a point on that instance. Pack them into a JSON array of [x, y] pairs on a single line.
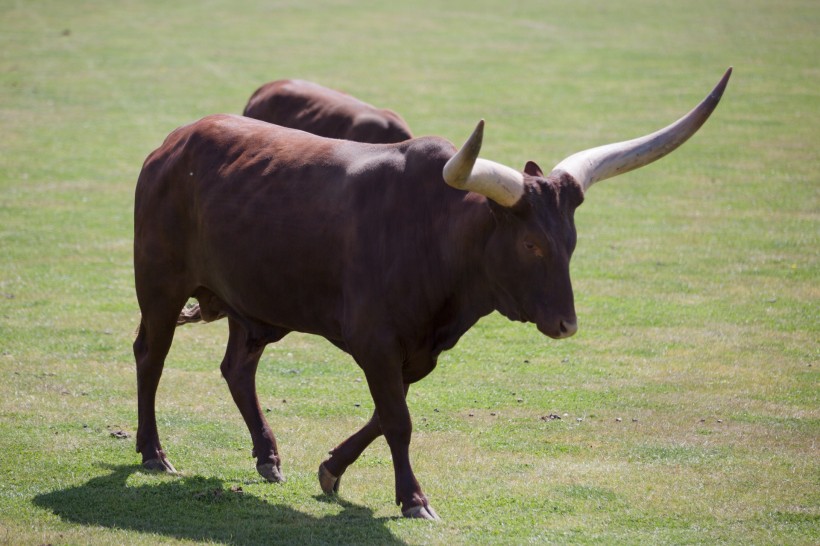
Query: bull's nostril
[[568, 328]]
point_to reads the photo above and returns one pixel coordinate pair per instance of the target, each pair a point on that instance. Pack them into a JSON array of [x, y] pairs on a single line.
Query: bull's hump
[[362, 160], [357, 155]]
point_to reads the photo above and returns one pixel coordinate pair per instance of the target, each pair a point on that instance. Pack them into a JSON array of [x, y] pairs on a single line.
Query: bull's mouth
[[559, 328], [555, 327]]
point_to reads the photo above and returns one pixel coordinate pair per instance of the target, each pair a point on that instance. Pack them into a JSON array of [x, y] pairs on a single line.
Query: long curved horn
[[466, 171], [595, 164]]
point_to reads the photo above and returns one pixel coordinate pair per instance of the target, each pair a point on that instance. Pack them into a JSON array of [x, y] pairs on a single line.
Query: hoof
[[328, 482], [421, 512], [159, 465], [270, 472]]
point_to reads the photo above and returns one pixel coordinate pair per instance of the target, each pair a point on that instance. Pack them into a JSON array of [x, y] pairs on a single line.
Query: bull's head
[[528, 255]]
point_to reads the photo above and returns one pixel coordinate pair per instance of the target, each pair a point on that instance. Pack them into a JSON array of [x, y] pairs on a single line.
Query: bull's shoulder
[[423, 150]]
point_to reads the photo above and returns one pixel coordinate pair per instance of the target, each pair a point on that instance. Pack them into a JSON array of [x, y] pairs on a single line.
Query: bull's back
[[325, 112]]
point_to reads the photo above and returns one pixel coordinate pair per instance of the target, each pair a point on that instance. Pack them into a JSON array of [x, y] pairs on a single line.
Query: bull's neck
[[468, 295]]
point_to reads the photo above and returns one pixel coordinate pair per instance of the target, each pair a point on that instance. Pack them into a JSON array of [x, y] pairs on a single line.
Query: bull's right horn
[[595, 164], [466, 171]]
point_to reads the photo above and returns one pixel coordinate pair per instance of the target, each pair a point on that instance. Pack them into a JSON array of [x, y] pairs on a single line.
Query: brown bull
[[325, 112], [391, 252]]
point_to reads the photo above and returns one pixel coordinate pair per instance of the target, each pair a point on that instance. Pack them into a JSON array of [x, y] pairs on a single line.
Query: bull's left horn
[[595, 164], [466, 171]]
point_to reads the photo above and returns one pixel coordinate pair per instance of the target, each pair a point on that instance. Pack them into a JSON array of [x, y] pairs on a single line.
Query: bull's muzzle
[[568, 328], [559, 329]]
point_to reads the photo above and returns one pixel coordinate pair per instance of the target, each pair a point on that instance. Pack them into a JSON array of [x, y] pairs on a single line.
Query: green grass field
[[690, 398]]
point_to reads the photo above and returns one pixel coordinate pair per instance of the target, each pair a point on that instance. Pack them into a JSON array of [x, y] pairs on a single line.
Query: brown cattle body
[[390, 251], [310, 107]]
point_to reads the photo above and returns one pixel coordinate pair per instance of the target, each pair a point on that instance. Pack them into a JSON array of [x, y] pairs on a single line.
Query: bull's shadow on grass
[[199, 508]]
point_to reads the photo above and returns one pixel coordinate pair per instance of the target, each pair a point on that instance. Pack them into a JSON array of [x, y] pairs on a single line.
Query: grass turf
[[689, 398]]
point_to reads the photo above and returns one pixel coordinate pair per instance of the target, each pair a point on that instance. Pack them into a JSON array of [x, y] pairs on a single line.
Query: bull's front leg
[[346, 453], [388, 391]]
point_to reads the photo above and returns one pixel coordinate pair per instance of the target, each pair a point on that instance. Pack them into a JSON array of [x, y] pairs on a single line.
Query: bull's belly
[[300, 307]]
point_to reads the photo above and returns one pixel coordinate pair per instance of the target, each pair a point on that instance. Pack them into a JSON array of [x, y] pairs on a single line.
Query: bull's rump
[[252, 212]]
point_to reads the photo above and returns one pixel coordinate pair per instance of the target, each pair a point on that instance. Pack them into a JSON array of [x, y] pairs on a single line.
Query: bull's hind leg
[[150, 349], [346, 453], [239, 370]]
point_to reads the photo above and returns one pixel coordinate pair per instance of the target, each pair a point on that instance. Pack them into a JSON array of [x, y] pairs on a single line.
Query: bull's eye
[[532, 247]]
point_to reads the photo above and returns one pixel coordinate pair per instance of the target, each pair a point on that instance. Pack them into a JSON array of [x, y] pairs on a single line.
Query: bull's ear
[[532, 169]]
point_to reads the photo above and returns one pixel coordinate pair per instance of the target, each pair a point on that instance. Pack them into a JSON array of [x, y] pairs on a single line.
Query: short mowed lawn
[[685, 411]]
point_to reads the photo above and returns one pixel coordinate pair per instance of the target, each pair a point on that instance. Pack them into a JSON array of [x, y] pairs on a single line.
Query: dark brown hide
[[363, 244], [325, 112]]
